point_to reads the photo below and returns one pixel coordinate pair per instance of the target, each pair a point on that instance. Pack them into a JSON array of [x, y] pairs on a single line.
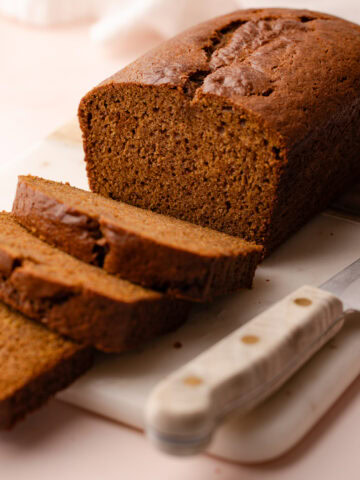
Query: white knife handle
[[241, 370]]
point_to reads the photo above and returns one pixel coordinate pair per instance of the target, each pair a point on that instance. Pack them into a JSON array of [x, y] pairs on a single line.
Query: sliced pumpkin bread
[[79, 300], [156, 251], [35, 363]]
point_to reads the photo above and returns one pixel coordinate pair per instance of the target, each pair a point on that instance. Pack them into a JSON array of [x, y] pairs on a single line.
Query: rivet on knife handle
[[242, 370]]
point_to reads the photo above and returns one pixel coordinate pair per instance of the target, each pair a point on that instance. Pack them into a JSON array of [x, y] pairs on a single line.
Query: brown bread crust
[[35, 364], [248, 123], [207, 265], [79, 300]]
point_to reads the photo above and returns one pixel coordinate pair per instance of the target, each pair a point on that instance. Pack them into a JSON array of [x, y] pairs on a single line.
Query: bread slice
[[248, 123], [76, 299], [35, 363], [154, 250]]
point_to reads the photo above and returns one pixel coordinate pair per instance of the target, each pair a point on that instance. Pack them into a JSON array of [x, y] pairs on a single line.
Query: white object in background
[[139, 24], [52, 12]]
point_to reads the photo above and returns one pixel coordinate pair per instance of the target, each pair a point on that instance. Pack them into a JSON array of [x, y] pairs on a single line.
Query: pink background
[[43, 75]]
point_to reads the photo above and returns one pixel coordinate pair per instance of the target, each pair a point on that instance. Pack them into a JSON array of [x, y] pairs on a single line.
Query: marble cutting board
[[117, 387]]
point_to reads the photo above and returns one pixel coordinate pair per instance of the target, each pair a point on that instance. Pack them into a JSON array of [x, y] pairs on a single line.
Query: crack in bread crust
[[234, 44]]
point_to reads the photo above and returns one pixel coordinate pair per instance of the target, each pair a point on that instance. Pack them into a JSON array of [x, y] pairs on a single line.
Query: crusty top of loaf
[[293, 69]]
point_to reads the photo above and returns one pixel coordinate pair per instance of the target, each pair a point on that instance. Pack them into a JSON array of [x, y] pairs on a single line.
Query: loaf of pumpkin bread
[[35, 363], [78, 300], [248, 123], [157, 251]]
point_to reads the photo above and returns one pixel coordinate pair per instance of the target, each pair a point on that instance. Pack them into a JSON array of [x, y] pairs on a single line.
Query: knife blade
[[346, 285], [246, 367]]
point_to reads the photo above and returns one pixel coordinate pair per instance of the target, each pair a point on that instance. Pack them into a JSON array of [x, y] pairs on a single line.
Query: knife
[[246, 367]]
